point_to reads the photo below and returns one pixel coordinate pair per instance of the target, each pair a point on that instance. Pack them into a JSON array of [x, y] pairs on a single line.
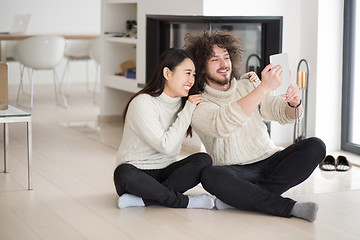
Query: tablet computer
[[282, 59]]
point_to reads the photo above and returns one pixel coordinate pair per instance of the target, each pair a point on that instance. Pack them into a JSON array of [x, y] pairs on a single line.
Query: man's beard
[[220, 80]]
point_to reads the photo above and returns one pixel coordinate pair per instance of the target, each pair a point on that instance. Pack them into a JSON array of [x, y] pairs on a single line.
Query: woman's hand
[[195, 99], [253, 77]]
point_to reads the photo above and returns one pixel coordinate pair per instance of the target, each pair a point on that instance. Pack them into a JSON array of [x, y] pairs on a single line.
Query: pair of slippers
[[329, 163]]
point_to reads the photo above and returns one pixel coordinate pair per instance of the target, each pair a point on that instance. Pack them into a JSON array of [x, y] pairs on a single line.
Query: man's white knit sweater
[[154, 131], [230, 135]]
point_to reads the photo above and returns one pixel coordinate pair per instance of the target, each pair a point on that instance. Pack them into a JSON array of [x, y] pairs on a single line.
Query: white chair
[[95, 50], [40, 53], [76, 50]]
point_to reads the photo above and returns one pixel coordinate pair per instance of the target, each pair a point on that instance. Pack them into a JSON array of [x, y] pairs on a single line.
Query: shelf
[[121, 83], [121, 40]]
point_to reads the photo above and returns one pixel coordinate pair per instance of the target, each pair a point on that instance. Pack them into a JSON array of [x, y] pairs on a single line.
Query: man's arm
[[212, 120], [271, 79]]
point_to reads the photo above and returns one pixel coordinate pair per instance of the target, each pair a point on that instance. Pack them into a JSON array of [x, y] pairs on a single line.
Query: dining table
[[17, 37]]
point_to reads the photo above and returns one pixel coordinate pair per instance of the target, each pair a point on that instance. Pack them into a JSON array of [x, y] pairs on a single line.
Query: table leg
[[2, 51], [29, 152], [5, 146]]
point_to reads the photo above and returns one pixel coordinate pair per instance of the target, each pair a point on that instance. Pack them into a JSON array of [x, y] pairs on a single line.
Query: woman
[[157, 119]]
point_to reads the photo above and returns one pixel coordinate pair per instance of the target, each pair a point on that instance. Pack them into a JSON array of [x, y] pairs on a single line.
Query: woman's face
[[179, 81]]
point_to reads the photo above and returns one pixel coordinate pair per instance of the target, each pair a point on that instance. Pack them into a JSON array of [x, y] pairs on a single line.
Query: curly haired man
[[249, 171]]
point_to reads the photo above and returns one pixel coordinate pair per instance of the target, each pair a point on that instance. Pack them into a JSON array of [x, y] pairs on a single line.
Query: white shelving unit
[[116, 50]]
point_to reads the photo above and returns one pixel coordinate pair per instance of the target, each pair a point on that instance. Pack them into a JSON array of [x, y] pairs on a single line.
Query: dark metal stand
[[303, 83]]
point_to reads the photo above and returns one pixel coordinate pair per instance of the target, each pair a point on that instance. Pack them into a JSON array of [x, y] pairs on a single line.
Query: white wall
[[322, 45], [51, 16], [308, 46], [329, 72]]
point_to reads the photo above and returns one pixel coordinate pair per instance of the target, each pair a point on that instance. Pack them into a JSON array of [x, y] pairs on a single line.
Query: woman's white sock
[[221, 205], [202, 201], [128, 200]]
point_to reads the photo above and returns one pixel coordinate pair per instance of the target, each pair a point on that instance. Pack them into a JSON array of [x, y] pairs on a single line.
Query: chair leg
[[66, 74], [22, 86], [31, 84], [32, 88], [55, 87], [87, 75], [96, 83], [56, 82], [29, 72], [22, 67]]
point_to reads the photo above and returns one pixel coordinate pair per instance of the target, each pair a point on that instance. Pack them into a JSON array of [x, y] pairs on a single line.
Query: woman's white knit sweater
[[154, 131], [230, 135]]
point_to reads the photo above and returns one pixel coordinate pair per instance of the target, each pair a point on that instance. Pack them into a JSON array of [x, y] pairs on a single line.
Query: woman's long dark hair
[[170, 58]]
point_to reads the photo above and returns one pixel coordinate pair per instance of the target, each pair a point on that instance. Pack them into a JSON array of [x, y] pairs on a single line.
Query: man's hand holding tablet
[[282, 60]]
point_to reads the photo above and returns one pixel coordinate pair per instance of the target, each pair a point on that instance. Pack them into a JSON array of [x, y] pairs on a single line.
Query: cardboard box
[[4, 100]]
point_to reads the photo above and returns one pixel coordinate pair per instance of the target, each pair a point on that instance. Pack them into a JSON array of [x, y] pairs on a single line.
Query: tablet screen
[[282, 59]]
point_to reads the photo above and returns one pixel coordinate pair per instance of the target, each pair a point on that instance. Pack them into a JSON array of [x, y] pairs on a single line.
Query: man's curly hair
[[201, 48]]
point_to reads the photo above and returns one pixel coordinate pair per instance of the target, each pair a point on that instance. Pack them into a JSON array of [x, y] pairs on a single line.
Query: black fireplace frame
[[157, 35]]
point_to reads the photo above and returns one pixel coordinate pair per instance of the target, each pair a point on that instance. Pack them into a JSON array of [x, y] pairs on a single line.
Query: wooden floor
[[73, 196]]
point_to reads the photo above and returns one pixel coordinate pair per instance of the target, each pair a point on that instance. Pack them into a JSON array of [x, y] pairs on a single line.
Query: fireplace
[[262, 36]]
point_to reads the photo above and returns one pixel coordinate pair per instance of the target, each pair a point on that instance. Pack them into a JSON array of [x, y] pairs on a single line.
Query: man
[[250, 172]]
